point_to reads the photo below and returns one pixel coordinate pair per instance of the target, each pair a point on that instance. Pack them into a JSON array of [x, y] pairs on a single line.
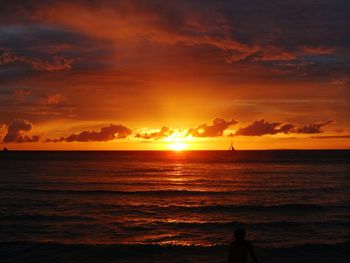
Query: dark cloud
[[243, 30], [105, 134], [279, 36], [262, 127], [162, 133], [214, 130], [313, 128], [259, 128], [16, 132], [55, 64], [27, 97], [21, 95], [34, 39], [34, 48], [286, 128]]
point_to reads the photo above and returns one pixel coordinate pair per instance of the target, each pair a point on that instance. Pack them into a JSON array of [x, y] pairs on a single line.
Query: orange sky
[[130, 75]]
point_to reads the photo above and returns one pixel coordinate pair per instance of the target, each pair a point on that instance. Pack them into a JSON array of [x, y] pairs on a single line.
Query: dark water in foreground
[[173, 207]]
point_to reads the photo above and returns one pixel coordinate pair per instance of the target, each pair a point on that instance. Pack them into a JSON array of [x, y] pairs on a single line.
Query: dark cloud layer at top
[[293, 38], [245, 30]]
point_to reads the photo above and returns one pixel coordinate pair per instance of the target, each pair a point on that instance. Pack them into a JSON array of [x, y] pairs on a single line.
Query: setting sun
[[178, 146]]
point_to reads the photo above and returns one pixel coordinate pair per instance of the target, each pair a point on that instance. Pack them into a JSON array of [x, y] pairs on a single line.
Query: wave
[[45, 218], [164, 224], [279, 226], [148, 192], [285, 208], [59, 252], [211, 225], [166, 208], [168, 192]]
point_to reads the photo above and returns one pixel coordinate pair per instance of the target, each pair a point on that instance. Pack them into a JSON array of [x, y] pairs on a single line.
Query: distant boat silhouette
[[232, 148], [5, 149]]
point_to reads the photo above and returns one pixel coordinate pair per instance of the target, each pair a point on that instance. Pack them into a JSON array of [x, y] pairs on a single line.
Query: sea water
[[164, 206]]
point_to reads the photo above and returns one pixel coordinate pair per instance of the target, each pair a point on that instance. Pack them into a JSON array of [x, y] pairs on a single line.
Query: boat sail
[[232, 148]]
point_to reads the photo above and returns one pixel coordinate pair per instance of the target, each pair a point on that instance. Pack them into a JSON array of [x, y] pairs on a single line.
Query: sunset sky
[[154, 75]]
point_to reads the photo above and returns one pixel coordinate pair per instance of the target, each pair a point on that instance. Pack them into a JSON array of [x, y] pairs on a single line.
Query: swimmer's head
[[239, 234]]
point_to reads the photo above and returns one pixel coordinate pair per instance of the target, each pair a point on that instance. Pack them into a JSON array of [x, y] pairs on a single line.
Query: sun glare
[[178, 146], [178, 141]]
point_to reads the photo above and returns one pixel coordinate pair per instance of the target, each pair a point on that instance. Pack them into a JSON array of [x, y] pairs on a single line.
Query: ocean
[[165, 206]]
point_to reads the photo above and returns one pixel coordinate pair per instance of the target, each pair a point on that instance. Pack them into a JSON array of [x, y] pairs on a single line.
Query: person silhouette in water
[[241, 249]]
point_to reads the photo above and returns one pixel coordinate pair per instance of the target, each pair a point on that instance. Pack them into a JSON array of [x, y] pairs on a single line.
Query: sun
[[178, 140], [178, 146]]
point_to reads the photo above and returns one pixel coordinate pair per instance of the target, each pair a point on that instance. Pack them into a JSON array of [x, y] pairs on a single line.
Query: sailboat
[[5, 149], [232, 148]]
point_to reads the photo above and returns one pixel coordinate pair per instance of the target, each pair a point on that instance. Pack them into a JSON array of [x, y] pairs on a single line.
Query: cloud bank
[[162, 133], [214, 130], [16, 132], [105, 134], [262, 127], [313, 128], [18, 129]]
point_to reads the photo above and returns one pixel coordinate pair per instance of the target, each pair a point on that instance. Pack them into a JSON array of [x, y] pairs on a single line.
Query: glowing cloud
[[162, 133]]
